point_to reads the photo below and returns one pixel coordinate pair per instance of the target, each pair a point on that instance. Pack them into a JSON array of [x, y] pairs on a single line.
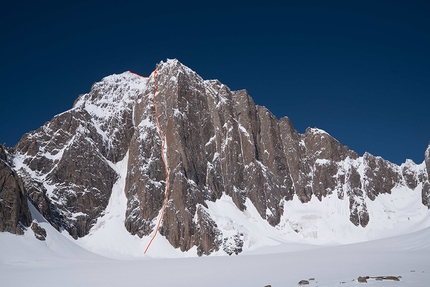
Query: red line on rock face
[[163, 156], [137, 74]]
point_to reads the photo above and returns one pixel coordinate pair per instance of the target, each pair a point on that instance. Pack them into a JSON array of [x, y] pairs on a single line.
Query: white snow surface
[[25, 261]]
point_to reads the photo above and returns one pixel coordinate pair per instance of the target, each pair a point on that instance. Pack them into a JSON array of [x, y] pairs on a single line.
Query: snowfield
[[26, 261], [58, 261]]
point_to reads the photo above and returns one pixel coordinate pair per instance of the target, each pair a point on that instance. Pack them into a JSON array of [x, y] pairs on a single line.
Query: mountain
[[238, 178]]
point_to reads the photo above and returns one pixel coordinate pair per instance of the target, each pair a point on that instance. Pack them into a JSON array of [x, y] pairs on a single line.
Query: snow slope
[[316, 222], [39, 264], [25, 249], [26, 261]]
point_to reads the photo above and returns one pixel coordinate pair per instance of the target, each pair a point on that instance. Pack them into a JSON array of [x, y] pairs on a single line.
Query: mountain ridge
[[221, 147]]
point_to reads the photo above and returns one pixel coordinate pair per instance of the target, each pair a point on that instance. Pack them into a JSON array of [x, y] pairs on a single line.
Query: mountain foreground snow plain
[[315, 241], [26, 261]]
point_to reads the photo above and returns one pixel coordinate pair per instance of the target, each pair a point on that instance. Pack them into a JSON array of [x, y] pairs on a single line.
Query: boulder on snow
[[393, 278], [39, 232], [361, 279]]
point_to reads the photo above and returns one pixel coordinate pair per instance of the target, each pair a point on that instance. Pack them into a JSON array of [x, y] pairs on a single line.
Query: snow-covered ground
[[26, 261]]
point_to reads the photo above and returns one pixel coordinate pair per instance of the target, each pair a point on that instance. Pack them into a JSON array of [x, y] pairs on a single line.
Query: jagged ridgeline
[[222, 149]]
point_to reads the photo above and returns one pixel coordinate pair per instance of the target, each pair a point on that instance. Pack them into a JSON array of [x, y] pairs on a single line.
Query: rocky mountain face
[[14, 213], [219, 143], [426, 186]]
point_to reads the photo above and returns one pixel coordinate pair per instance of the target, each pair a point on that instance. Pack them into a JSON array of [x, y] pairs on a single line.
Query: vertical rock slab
[[425, 194], [14, 213]]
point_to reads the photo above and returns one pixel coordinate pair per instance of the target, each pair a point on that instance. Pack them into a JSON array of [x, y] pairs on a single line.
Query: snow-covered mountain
[[239, 178]]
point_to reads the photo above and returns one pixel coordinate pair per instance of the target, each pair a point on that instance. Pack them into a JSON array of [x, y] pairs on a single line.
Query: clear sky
[[360, 70]]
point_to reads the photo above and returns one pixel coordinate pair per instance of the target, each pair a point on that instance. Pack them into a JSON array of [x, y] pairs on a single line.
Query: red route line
[[163, 146], [163, 156]]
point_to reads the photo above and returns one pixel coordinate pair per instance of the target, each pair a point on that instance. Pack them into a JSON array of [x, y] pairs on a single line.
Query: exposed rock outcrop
[[426, 179], [39, 232], [66, 164], [14, 213]]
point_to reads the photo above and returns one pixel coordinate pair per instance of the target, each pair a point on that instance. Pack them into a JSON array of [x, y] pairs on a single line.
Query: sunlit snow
[[25, 261]]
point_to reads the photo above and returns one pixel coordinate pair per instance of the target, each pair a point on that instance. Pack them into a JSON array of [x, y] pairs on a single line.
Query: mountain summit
[[239, 178]]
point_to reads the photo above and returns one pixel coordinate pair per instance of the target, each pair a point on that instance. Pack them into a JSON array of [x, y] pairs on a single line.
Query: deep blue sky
[[358, 69]]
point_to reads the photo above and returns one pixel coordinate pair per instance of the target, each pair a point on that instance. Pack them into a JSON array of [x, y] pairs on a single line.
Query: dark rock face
[[362, 279], [78, 183], [219, 143], [39, 232], [427, 161], [66, 164], [426, 179], [208, 235], [14, 212]]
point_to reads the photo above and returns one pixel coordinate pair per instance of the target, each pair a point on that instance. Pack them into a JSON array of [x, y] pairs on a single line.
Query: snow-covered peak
[[408, 163], [172, 68], [316, 131], [171, 62], [116, 88], [427, 161], [127, 76], [427, 153]]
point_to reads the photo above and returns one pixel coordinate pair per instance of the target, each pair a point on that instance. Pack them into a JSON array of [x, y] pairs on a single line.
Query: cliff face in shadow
[[14, 213]]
